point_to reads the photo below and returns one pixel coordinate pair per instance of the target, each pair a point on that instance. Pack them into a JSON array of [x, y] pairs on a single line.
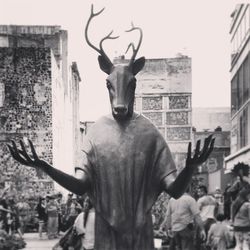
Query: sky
[[197, 28]]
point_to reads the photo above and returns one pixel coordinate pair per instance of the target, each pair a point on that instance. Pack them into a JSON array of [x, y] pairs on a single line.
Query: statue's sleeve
[[165, 164], [86, 157]]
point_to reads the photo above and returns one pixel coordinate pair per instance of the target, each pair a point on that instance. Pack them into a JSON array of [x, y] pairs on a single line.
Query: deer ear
[[138, 65], [105, 65]]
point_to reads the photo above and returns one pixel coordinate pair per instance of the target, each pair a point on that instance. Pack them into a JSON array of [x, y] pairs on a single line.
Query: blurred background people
[[52, 217], [24, 213], [42, 215]]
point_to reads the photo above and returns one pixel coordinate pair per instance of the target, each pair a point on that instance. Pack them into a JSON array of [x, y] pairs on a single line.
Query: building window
[[240, 86], [2, 94], [246, 79], [234, 98], [243, 128], [152, 103]]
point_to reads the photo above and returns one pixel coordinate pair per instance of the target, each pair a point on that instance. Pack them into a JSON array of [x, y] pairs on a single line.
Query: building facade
[[240, 86], [216, 121], [211, 172], [211, 118], [38, 101]]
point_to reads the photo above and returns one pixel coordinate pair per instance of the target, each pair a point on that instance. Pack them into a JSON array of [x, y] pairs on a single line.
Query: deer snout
[[120, 110]]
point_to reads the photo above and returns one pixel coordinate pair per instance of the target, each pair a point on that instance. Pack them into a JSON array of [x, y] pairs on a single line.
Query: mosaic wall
[[152, 103], [155, 117], [178, 102], [177, 118], [27, 106], [178, 134]]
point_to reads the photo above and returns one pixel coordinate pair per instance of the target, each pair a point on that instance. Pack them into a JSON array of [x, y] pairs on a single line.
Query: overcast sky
[[197, 28]]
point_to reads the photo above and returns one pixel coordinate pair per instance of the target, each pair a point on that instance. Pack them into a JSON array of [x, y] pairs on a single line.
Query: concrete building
[[240, 86], [163, 94], [211, 118], [39, 100], [211, 173], [216, 121]]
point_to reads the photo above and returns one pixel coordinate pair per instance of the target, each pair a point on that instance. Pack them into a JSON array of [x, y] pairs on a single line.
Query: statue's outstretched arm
[[176, 185], [78, 185]]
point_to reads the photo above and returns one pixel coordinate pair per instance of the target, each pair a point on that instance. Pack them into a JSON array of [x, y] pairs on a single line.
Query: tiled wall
[[25, 75]]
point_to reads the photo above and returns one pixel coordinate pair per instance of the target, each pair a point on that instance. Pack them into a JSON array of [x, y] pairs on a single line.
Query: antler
[[100, 50], [135, 50]]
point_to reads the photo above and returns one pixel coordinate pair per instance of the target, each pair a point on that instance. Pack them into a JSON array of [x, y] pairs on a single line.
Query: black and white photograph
[[124, 125]]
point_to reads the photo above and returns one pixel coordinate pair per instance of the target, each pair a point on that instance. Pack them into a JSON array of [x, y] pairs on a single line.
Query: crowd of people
[[52, 215], [216, 221]]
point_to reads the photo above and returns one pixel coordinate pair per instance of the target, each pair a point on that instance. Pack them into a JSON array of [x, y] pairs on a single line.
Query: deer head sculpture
[[121, 81]]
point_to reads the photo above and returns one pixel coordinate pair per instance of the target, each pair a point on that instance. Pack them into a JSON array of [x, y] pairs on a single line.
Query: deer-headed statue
[[126, 163]]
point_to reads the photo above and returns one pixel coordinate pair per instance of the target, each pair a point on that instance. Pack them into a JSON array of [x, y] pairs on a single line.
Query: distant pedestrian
[[24, 213], [241, 222], [60, 216], [85, 225], [13, 218], [52, 221], [182, 217], [208, 207], [227, 202], [218, 235], [74, 209], [42, 215]]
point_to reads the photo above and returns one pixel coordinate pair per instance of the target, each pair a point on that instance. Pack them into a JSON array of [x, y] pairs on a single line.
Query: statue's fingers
[[197, 149], [211, 148], [16, 155], [33, 150], [189, 151], [206, 154], [205, 147], [11, 150], [24, 152], [14, 147]]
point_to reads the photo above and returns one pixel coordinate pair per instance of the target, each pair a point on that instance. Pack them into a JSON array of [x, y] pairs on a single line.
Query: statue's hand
[[22, 156], [200, 156]]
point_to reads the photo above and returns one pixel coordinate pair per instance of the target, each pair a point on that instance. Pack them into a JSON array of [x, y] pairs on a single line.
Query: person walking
[[208, 207], [182, 217], [52, 213], [85, 225], [42, 215], [218, 235], [241, 222], [60, 208], [24, 213], [74, 209], [13, 218]]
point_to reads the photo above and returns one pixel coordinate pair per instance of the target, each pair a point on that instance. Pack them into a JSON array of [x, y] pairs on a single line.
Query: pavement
[[33, 242]]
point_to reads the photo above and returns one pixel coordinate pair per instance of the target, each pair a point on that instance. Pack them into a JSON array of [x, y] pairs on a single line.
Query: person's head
[[11, 201], [70, 196], [202, 190], [220, 217], [41, 199], [59, 196], [217, 190], [241, 169], [74, 198], [87, 204]]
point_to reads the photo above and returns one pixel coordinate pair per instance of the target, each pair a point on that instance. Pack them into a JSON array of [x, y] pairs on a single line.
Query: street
[[34, 243]]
